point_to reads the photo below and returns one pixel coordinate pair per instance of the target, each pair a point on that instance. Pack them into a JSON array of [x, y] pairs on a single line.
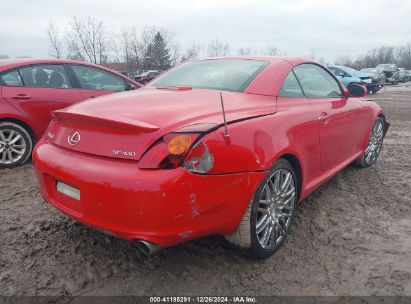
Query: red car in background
[[223, 146], [31, 89]]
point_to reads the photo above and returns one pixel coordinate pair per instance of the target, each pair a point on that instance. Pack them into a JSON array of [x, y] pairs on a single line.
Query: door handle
[[21, 97], [323, 118]]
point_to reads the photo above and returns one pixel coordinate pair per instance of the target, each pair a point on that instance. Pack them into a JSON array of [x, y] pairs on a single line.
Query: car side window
[[317, 82], [12, 79], [290, 87], [94, 79], [45, 76]]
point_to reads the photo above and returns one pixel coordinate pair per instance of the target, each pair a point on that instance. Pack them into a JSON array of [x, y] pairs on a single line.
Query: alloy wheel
[[374, 142], [12, 146], [275, 208]]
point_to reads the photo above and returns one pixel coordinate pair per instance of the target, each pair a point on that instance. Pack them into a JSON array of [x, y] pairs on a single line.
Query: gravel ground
[[351, 237]]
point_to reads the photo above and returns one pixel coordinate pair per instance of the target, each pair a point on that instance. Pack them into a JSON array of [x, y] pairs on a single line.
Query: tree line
[[89, 40], [156, 48], [148, 48], [387, 54]]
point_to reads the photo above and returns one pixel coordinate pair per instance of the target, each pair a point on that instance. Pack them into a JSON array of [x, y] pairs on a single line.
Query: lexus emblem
[[73, 138]]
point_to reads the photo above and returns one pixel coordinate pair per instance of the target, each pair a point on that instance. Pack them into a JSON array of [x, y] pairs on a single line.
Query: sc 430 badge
[[123, 153]]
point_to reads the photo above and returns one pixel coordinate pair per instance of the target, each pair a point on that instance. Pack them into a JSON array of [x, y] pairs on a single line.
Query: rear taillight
[[199, 159], [168, 152], [180, 148]]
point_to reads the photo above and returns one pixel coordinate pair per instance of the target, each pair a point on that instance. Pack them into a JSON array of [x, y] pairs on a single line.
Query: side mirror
[[356, 90], [341, 75]]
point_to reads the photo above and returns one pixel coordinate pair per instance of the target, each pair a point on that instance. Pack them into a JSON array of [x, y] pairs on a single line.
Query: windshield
[[387, 67], [216, 74]]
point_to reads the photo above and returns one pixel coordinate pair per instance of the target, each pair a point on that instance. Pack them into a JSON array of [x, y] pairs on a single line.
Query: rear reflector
[[68, 190]]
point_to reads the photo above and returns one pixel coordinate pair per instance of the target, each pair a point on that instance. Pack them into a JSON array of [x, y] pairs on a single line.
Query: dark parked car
[[403, 75], [391, 72], [146, 76], [378, 79]]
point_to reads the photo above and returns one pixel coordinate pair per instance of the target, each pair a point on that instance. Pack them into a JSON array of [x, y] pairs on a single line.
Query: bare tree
[[323, 61], [193, 52], [386, 54], [2, 56], [126, 45], [86, 39], [270, 50], [407, 56], [115, 47], [55, 41], [175, 53], [73, 49], [217, 48], [135, 46], [312, 55], [246, 51]]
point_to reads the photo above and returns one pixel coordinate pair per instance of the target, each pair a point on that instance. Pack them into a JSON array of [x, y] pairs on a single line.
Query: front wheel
[[373, 149], [267, 220], [16, 145]]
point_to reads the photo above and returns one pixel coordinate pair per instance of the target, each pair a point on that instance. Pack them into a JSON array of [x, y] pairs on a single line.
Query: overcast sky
[[329, 27]]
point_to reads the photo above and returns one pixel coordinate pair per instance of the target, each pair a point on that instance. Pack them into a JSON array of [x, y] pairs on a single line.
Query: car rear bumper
[[164, 207]]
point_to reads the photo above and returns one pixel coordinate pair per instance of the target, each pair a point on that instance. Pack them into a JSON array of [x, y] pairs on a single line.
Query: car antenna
[[225, 121]]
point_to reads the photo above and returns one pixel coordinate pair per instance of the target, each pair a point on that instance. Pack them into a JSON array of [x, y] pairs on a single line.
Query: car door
[[37, 90], [340, 118], [94, 82], [300, 119]]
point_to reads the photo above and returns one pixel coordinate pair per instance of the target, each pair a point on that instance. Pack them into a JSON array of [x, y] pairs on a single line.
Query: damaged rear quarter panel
[[255, 144]]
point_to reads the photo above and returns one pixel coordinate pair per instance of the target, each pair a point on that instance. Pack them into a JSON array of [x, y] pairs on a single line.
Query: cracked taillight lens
[[199, 159], [180, 148]]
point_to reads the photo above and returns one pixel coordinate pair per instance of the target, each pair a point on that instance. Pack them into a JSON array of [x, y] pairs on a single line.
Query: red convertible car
[[31, 89], [223, 146]]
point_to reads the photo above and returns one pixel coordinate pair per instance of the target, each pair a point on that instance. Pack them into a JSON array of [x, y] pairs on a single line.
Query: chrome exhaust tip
[[148, 248]]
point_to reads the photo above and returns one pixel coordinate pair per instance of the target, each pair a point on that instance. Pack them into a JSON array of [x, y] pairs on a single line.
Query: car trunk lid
[[125, 125]]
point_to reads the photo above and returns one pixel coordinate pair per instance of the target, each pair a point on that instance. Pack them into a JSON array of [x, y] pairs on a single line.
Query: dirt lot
[[351, 237]]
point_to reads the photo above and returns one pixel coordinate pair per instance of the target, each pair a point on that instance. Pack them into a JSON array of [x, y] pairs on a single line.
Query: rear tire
[[268, 217], [16, 145]]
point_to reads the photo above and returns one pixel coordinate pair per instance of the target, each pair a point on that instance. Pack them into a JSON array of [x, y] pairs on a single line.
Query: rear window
[[216, 74]]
